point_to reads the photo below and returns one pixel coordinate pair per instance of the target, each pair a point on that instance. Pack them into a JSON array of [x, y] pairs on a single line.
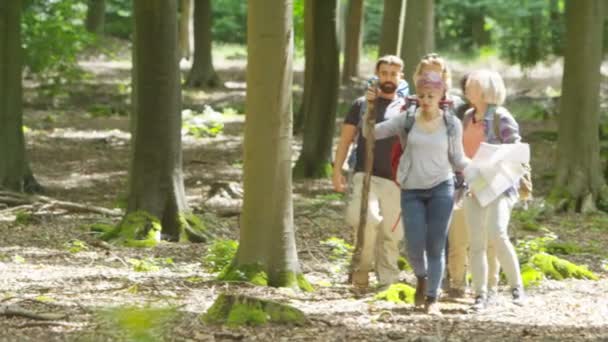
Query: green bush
[[220, 254], [53, 33]]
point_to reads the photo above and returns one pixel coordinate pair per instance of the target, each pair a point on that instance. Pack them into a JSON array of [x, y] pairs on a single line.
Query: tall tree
[[579, 177], [354, 34], [300, 115], [202, 73], [322, 92], [267, 242], [185, 29], [15, 172], [156, 184], [96, 16], [391, 22], [418, 34]]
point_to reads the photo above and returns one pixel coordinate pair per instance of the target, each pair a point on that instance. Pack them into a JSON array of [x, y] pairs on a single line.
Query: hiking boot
[[481, 303], [492, 298], [431, 306], [420, 290], [360, 279], [519, 296]]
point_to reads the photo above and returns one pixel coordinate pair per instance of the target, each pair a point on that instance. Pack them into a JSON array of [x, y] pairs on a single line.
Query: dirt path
[[85, 160]]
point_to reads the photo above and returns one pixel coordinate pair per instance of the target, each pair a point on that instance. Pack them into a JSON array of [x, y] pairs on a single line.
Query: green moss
[[237, 310], [193, 229], [250, 273], [557, 268], [397, 293], [24, 217], [246, 314], [403, 264], [530, 276], [137, 229], [303, 284], [220, 254]]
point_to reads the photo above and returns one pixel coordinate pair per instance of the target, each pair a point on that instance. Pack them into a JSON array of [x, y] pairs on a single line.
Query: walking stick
[[360, 278]]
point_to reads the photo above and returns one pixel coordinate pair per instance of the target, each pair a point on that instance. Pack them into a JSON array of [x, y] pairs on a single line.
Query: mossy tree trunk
[[352, 48], [156, 183], [579, 176], [322, 92], [418, 35], [185, 28], [203, 73], [267, 236], [96, 16], [15, 171], [391, 27]]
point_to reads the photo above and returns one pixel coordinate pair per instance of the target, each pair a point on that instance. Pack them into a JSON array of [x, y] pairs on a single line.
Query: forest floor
[[78, 142]]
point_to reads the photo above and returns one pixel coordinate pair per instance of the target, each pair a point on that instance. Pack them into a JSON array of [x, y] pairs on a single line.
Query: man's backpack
[[525, 182]]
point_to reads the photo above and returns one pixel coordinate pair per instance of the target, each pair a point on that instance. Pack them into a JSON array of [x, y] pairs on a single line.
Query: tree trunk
[[321, 100], [267, 238], [391, 22], [15, 172], [185, 29], [354, 36], [308, 65], [480, 36], [96, 16], [202, 73], [156, 183], [579, 177], [418, 35]]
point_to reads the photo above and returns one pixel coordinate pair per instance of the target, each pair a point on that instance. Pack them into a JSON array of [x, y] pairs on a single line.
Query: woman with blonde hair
[[488, 121]]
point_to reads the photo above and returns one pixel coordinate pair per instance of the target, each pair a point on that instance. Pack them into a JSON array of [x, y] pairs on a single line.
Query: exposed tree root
[[36, 203]]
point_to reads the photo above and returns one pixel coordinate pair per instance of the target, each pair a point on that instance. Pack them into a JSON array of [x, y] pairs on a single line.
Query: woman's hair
[[433, 59], [491, 84]]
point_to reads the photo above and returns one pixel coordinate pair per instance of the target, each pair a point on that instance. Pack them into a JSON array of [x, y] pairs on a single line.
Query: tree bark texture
[[579, 177], [391, 22], [322, 92], [267, 230], [418, 35], [185, 28], [156, 180], [352, 49], [13, 163], [203, 73], [96, 16]]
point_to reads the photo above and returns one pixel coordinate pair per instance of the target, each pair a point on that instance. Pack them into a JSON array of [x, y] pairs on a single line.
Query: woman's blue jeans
[[426, 217]]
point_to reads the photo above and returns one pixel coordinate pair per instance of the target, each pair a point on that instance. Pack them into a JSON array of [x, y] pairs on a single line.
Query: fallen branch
[[14, 198], [16, 311]]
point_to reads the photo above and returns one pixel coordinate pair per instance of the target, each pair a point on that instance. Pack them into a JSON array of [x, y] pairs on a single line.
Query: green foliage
[[220, 254], [372, 12], [397, 293], [137, 229], [53, 34], [132, 323], [149, 264], [564, 248], [298, 24], [230, 21], [527, 248], [119, 21], [206, 124], [75, 246], [24, 217], [529, 219], [341, 251]]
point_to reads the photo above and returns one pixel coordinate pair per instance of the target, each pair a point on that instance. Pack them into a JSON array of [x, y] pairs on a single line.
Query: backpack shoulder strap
[[496, 124]]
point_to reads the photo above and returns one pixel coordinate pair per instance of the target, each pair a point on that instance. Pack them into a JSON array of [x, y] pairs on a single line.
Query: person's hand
[[371, 94], [339, 181]]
